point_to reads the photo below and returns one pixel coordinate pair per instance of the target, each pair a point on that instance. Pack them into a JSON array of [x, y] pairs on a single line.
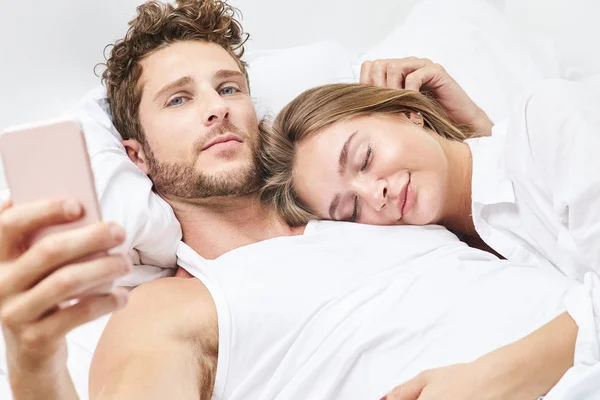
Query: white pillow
[[488, 57], [278, 76], [126, 196]]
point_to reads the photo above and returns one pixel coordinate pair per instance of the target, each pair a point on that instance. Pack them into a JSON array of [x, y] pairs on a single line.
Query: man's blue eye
[[228, 90], [176, 101]]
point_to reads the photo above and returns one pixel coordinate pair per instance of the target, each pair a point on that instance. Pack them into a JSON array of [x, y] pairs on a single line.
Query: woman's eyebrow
[[343, 160]]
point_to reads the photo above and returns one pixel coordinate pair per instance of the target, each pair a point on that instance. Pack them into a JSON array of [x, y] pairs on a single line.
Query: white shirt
[[536, 181], [349, 311]]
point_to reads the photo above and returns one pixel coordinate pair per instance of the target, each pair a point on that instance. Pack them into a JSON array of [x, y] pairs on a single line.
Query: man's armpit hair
[[206, 355]]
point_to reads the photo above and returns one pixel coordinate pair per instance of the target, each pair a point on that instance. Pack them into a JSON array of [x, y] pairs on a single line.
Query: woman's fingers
[[395, 76], [409, 390], [66, 283], [424, 77], [393, 72], [54, 327], [62, 248], [365, 72], [398, 70], [373, 73], [378, 73]]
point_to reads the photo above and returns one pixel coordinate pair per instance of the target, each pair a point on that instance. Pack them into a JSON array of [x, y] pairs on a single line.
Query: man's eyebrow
[[344, 154], [179, 83], [334, 205], [224, 74], [229, 73]]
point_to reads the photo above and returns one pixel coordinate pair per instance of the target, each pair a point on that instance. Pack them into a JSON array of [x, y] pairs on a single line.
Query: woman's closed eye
[[354, 215], [368, 158]]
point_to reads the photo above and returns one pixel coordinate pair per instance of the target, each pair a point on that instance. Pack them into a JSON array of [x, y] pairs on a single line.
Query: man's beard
[[184, 181]]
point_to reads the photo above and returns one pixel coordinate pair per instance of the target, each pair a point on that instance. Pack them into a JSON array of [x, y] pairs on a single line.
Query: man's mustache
[[220, 129]]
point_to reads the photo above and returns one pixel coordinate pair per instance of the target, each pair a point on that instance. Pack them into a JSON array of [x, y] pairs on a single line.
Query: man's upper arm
[[155, 347]]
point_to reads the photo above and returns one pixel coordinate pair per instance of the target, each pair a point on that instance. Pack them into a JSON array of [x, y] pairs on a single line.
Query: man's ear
[[136, 154]]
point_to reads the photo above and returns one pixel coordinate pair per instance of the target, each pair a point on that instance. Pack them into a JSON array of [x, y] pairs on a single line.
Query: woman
[[384, 156]]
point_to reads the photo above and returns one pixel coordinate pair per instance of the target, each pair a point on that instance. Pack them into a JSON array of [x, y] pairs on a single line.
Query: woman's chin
[[417, 216]]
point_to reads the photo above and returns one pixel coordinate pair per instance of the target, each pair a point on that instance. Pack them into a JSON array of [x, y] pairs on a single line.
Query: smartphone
[[50, 161]]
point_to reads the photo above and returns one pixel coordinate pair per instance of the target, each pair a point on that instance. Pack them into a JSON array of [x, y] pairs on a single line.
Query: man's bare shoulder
[[166, 312], [185, 302]]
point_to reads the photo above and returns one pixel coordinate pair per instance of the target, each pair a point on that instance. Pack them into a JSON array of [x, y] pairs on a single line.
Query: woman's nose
[[375, 193]]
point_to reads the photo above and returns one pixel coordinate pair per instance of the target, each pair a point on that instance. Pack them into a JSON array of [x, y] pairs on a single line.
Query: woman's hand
[[456, 382], [38, 284], [421, 74], [523, 370]]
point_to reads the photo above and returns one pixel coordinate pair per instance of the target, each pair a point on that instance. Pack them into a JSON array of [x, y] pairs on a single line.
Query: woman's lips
[[406, 198]]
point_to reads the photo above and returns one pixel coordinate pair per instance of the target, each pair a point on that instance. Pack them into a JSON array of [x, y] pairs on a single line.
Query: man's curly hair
[[157, 25]]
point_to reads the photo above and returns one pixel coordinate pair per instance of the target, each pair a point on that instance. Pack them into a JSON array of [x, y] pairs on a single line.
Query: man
[[275, 312]]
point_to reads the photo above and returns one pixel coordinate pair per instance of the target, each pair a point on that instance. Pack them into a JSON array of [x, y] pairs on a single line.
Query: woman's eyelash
[[355, 212], [366, 163]]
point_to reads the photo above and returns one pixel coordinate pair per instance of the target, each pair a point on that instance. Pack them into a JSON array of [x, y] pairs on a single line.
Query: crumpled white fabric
[[582, 381]]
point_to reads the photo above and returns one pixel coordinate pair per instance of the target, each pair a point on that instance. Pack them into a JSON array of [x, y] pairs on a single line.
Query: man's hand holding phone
[[52, 286]]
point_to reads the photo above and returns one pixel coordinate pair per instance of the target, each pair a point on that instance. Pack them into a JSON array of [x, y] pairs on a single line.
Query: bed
[[482, 45]]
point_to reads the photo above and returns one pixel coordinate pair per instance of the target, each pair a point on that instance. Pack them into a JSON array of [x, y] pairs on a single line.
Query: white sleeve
[[563, 127], [126, 196], [581, 382]]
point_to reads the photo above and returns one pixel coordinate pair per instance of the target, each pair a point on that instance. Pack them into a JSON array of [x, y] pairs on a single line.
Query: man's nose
[[373, 192], [216, 110]]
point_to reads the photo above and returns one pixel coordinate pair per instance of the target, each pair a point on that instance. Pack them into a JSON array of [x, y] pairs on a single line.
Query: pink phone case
[[50, 161]]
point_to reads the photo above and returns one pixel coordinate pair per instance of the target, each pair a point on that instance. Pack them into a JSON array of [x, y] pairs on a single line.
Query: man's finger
[[63, 248], [410, 390], [6, 204], [53, 328], [17, 222], [66, 283]]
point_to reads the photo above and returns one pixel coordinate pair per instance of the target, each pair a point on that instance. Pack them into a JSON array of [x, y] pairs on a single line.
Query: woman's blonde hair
[[318, 108]]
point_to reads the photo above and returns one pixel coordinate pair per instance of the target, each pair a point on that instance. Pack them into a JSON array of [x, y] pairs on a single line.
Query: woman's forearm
[[533, 365]]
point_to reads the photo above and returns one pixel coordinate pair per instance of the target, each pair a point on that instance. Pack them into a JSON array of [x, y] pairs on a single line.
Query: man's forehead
[[196, 59]]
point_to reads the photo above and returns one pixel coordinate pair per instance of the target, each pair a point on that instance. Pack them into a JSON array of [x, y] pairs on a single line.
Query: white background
[[48, 49]]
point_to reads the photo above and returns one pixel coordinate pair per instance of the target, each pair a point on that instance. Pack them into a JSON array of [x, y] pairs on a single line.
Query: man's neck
[[212, 227]]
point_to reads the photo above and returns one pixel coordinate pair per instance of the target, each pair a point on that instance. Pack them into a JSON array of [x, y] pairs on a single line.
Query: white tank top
[[349, 311]]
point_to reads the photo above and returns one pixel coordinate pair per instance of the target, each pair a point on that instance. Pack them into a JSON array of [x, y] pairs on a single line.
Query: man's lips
[[229, 137]]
